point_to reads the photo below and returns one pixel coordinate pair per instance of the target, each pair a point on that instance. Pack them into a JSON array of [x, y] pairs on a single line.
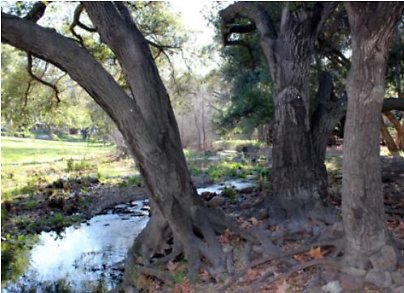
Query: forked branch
[[44, 82]]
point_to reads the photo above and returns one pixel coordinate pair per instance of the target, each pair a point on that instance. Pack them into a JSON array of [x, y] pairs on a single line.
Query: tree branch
[[44, 82], [393, 104], [333, 53], [37, 11], [328, 110], [262, 20], [47, 44]]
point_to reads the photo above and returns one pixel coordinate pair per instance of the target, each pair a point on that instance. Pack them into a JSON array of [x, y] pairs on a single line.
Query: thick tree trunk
[[146, 121], [371, 25], [299, 176]]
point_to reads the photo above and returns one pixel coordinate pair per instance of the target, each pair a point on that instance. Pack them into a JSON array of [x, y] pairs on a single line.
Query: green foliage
[[82, 165], [31, 204], [230, 193], [131, 181], [250, 103], [234, 144], [15, 256], [225, 170], [56, 222]]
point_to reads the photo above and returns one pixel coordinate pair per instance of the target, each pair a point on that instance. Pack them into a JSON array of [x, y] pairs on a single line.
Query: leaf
[[316, 253], [283, 288]]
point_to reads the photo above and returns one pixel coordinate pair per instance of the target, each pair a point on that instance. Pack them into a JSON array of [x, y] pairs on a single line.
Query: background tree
[[300, 129], [372, 25]]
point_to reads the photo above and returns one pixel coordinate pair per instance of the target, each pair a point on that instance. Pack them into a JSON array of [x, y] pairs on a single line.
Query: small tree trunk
[[399, 129], [372, 24], [391, 145]]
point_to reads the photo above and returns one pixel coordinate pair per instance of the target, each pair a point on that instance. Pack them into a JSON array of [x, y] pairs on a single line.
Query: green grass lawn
[[28, 163], [31, 151]]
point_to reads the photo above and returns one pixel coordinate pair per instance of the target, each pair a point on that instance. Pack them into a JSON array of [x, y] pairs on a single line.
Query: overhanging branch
[[37, 11], [44, 82], [393, 104], [262, 20]]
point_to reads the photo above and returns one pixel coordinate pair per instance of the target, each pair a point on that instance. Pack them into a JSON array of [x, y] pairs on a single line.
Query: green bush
[[82, 165], [226, 170]]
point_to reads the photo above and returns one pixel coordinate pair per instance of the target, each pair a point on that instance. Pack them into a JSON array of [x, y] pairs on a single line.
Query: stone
[[353, 271], [349, 282], [261, 214], [246, 205], [398, 277], [381, 279], [332, 287], [216, 201], [385, 259], [207, 195], [329, 275]]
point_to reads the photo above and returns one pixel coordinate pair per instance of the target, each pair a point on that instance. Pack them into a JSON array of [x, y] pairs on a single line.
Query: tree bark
[[399, 129], [299, 177], [388, 140], [372, 24]]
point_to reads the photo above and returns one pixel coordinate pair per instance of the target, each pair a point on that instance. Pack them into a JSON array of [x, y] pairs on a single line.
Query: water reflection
[[237, 184], [88, 257], [82, 255]]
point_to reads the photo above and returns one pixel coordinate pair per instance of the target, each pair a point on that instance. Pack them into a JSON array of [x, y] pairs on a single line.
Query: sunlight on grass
[[26, 151], [29, 163]]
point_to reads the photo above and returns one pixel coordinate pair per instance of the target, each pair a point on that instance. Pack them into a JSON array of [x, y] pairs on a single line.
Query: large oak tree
[[300, 130], [146, 120]]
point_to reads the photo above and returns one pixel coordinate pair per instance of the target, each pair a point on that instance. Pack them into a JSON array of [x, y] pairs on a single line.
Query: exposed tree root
[[195, 235], [264, 278], [338, 244]]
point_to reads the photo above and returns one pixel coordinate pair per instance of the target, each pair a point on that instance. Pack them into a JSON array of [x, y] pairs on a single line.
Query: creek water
[[89, 257]]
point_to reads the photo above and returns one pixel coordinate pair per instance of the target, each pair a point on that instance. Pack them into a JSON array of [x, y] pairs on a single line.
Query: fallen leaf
[[316, 253], [300, 257]]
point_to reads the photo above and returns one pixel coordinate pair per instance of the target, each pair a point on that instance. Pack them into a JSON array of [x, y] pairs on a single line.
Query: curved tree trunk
[[372, 24], [146, 121]]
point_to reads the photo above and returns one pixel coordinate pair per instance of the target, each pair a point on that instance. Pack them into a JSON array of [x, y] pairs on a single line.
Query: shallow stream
[[88, 257]]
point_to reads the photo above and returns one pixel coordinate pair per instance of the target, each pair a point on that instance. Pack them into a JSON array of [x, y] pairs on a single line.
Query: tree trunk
[[388, 140], [372, 24], [299, 176], [399, 129], [146, 121]]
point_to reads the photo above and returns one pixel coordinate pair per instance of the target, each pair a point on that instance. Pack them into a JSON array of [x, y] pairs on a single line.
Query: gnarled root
[[193, 233]]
